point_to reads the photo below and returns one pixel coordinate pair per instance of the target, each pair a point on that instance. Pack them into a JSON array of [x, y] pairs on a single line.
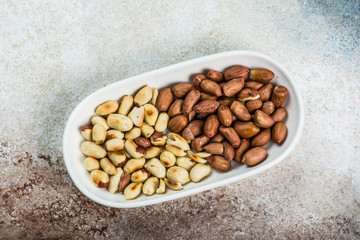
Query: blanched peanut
[[140, 176], [162, 122], [99, 178], [146, 130], [114, 144], [132, 190], [86, 132], [167, 158], [199, 171], [118, 158], [125, 105], [107, 108], [152, 152], [137, 115], [114, 134], [178, 174], [120, 122], [173, 185], [98, 134], [107, 166], [134, 164], [133, 149], [143, 96], [155, 167], [161, 188], [91, 164], [150, 186], [133, 133], [91, 149], [114, 181], [185, 162], [151, 114], [99, 120]]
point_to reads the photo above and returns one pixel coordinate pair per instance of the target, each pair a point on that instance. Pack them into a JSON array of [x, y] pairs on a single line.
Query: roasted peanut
[[134, 164], [206, 107], [224, 115], [99, 120], [253, 84], [107, 108], [227, 101], [199, 142], [253, 105], [164, 99], [140, 176], [246, 129], [254, 156], [268, 107], [175, 108], [152, 152], [115, 180], [98, 133], [261, 75], [178, 123], [230, 135], [229, 151], [173, 185], [240, 111], [262, 138], [233, 86], [120, 122], [203, 154], [132, 190], [133, 149], [211, 87], [86, 132], [265, 92], [190, 100], [219, 163], [143, 96], [195, 157], [107, 166], [125, 105], [179, 152], [91, 164], [114, 144], [124, 181], [178, 175], [279, 132], [199, 172], [263, 120], [91, 149], [155, 167], [237, 71], [185, 162], [118, 158], [247, 94], [146, 130], [99, 178], [214, 148], [137, 115], [150, 186], [162, 122], [142, 142], [279, 95], [167, 158], [193, 129], [178, 141], [158, 139], [197, 80], [211, 125], [182, 89], [133, 133], [161, 188], [215, 76], [279, 114], [239, 152], [151, 114], [155, 94], [110, 134]]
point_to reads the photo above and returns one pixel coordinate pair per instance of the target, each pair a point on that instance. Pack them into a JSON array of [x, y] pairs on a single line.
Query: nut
[[253, 84], [118, 158], [261, 75], [91, 164], [140, 176], [237, 71], [279, 114], [211, 125], [133, 133], [254, 156], [214, 148], [134, 164], [253, 105], [263, 120], [155, 167], [151, 114], [137, 115], [185, 162], [155, 94], [227, 101], [193, 129], [233, 86], [112, 133], [97, 119], [279, 132], [107, 108], [244, 146], [150, 186], [199, 142], [218, 138], [199, 172], [230, 135], [206, 96], [197, 80], [152, 152], [178, 123], [268, 107], [182, 89], [211, 87], [262, 138], [98, 133], [206, 107], [265, 91], [219, 163], [99, 178], [279, 95], [91, 149], [142, 142], [107, 166], [115, 180], [246, 129], [114, 144], [86, 132], [179, 152], [133, 149], [167, 158], [125, 105], [247, 94], [215, 76], [132, 190], [158, 139], [175, 108], [120, 122], [161, 188], [143, 96], [178, 175], [195, 157], [240, 111], [164, 99], [173, 185], [190, 100], [162, 122], [191, 115], [178, 141], [146, 130], [201, 115], [124, 181], [229, 151], [225, 115]]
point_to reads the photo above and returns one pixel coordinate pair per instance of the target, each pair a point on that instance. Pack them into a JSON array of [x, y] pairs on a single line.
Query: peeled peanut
[[178, 123], [239, 152], [114, 144], [99, 178], [279, 95], [206, 106], [167, 158], [185, 162], [215, 76], [98, 134], [263, 120], [125, 105], [107, 166], [199, 171], [195, 157], [124, 181], [155, 167], [133, 149], [151, 114], [178, 175], [247, 94], [91, 149], [99, 120], [142, 142], [114, 181], [86, 132], [155, 94], [265, 91], [214, 148], [219, 163], [229, 151], [211, 125], [279, 132], [253, 105], [240, 111], [230, 134], [236, 71], [203, 154], [199, 142], [140, 176], [143, 96], [158, 139], [118, 158], [279, 114], [254, 156], [211, 87], [253, 84], [246, 129], [137, 115], [91, 164], [164, 99], [134, 164], [110, 134], [107, 108], [178, 141], [150, 186], [224, 115], [161, 188], [182, 89], [262, 75], [262, 138], [268, 107], [197, 80], [179, 152], [162, 122], [146, 130], [152, 152], [233, 86], [120, 122], [173, 185], [133, 133], [132, 190], [190, 100]]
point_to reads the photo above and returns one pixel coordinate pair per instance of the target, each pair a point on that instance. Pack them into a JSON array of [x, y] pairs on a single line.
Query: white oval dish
[[164, 77]]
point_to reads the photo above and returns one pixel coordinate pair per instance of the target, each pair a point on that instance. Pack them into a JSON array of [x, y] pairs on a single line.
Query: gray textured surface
[[54, 55]]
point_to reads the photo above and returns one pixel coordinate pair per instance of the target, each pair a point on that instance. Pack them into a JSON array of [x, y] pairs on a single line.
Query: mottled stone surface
[[52, 55]]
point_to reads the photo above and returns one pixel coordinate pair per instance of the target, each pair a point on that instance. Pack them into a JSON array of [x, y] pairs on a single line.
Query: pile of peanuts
[[221, 117]]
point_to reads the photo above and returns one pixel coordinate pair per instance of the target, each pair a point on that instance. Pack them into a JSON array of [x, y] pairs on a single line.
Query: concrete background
[[52, 55]]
